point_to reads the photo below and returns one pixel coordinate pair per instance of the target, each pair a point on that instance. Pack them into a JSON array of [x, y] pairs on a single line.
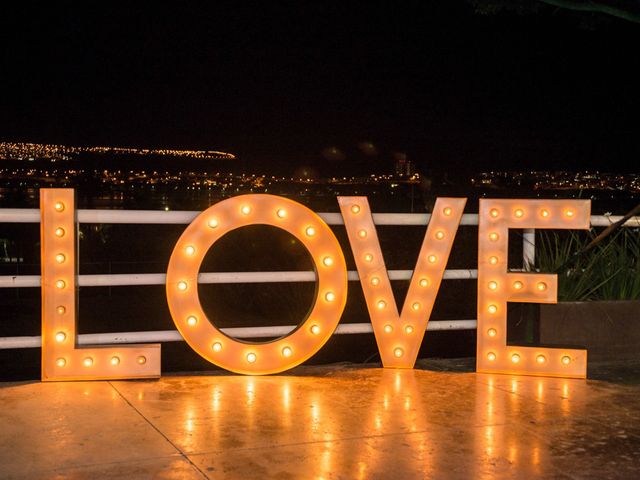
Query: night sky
[[278, 83]]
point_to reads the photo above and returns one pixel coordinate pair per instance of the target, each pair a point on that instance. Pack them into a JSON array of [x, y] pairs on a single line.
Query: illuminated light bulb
[[310, 231], [541, 286], [251, 357], [192, 321], [315, 329], [142, 360], [330, 296], [544, 213], [491, 356], [189, 250], [213, 223], [494, 212], [519, 213], [59, 206], [287, 352], [518, 285], [541, 359], [569, 213], [61, 310], [59, 232], [60, 258], [355, 209], [493, 236], [382, 304], [408, 329], [424, 282], [60, 284], [60, 337], [216, 347], [388, 328], [566, 360], [515, 358], [281, 213], [493, 285], [398, 352], [61, 362], [182, 286], [440, 235], [492, 332], [492, 309], [328, 261], [493, 260], [88, 362], [447, 211], [246, 210], [368, 257], [362, 234], [375, 281], [432, 258], [115, 361], [416, 306]]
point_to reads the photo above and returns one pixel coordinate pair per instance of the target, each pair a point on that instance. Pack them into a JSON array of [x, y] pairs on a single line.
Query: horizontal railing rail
[[23, 215]]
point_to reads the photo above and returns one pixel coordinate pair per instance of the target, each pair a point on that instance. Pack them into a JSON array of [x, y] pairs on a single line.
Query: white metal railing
[[185, 217]]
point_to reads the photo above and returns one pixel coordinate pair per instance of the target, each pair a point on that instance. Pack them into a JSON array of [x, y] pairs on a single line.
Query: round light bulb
[[213, 223], [59, 232], [287, 352], [88, 362], [182, 286], [59, 206], [61, 362], [408, 329], [251, 357], [515, 358], [368, 257], [541, 286], [310, 231], [388, 328], [398, 352], [330, 296], [544, 213], [493, 236], [492, 309], [60, 258], [375, 281], [493, 285], [355, 208], [440, 235], [493, 212], [570, 213], [382, 304], [416, 306], [115, 361], [447, 211], [493, 260], [424, 282], [142, 360], [519, 213], [315, 329], [518, 285], [61, 310], [281, 213], [192, 321], [328, 261], [432, 259], [189, 250], [60, 337], [491, 356], [362, 234], [492, 332], [566, 360], [216, 347], [246, 210], [60, 284], [541, 359]]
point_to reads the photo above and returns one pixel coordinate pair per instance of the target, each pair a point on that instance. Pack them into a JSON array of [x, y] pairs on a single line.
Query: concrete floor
[[323, 422]]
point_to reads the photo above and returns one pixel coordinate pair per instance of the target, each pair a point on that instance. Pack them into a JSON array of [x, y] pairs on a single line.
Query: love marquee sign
[[398, 331]]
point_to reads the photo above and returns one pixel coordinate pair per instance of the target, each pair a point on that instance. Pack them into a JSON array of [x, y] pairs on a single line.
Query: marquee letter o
[[247, 357]]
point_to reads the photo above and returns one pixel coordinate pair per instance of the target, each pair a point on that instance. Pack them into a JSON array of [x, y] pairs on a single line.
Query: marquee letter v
[[399, 336]]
